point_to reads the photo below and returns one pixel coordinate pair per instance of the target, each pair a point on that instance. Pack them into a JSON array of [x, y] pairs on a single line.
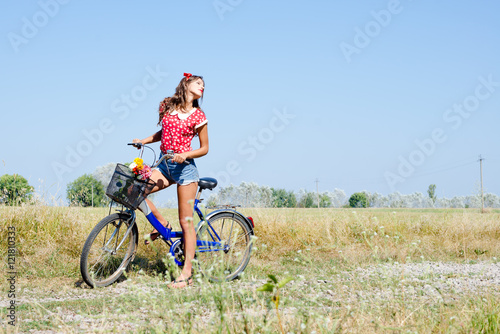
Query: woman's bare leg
[[185, 195], [161, 183]]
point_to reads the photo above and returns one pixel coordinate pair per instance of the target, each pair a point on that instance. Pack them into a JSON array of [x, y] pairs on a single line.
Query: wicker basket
[[126, 189]]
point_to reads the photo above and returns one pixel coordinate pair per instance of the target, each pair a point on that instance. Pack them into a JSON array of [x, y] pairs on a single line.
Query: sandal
[[188, 282], [155, 234]]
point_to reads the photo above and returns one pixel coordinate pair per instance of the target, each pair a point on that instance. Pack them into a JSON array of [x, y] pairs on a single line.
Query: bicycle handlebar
[[169, 155]]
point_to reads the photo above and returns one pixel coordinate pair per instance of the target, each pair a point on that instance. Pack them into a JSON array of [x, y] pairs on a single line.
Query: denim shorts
[[180, 173]]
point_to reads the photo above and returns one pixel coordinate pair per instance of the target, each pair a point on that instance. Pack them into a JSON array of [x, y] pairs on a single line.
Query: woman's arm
[[151, 139], [203, 150]]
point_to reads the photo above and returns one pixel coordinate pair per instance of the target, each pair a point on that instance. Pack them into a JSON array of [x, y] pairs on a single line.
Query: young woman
[[181, 119]]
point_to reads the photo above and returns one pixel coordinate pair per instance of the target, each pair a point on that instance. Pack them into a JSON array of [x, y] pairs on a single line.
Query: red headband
[[187, 75]]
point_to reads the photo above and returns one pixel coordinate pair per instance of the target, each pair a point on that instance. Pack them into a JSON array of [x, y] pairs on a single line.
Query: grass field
[[359, 271]]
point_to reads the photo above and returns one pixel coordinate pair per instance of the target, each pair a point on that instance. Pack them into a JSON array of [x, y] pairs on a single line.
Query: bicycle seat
[[207, 183]]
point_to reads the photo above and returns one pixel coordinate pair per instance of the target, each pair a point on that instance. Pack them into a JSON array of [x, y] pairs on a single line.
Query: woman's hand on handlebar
[[179, 158], [138, 141]]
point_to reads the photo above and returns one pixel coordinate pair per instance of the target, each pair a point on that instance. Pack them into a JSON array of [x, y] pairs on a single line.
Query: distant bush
[[307, 200], [249, 195], [14, 189], [283, 198], [86, 191], [359, 200]]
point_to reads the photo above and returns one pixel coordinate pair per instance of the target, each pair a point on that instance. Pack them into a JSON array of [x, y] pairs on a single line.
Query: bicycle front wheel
[[223, 246], [109, 249]]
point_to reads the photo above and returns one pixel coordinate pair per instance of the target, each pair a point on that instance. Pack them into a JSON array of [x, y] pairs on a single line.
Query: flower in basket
[[142, 171], [137, 165], [145, 173]]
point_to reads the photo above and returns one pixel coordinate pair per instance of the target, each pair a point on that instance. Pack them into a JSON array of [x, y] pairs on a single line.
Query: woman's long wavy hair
[[178, 100]]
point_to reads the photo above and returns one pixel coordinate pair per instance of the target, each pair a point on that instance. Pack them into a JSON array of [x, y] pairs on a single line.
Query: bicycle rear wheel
[[224, 246], [108, 250]]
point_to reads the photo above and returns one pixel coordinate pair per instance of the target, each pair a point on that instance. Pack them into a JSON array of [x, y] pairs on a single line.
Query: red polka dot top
[[179, 129]]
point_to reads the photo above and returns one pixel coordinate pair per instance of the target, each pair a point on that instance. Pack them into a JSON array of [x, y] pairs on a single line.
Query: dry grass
[[321, 248], [49, 239], [367, 236]]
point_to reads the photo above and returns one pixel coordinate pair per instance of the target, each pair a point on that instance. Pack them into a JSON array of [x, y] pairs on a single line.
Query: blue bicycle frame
[[167, 234]]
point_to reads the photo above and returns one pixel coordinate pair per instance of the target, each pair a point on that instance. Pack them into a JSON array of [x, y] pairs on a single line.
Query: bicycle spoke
[[98, 261], [231, 257], [108, 251]]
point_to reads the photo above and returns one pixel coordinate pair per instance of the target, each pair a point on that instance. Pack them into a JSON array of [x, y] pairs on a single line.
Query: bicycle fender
[[236, 213]]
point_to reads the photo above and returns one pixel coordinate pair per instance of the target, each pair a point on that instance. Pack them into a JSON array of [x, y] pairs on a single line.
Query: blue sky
[[380, 96]]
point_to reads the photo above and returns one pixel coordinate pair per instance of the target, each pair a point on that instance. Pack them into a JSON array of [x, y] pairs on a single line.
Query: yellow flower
[[139, 163]]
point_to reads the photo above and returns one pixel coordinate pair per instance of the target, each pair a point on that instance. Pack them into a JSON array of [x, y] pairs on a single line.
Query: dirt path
[[426, 282]]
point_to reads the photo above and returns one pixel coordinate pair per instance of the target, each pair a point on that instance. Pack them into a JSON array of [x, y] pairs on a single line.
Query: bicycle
[[223, 237]]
